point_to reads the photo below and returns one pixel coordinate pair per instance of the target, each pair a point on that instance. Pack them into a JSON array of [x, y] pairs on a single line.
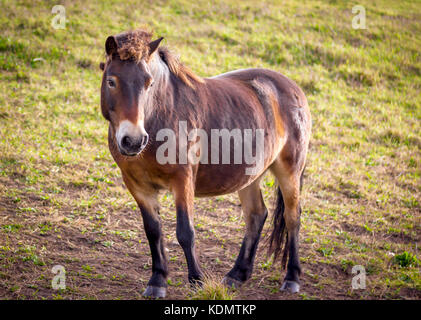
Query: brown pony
[[145, 88]]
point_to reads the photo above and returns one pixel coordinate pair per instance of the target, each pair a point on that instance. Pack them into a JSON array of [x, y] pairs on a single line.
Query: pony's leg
[[158, 282], [149, 208], [255, 214], [289, 183], [184, 196]]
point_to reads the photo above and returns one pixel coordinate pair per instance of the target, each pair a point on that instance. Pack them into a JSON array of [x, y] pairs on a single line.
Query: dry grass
[[211, 289]]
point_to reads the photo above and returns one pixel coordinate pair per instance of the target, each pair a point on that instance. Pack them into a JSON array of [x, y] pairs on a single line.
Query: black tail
[[279, 235], [278, 240]]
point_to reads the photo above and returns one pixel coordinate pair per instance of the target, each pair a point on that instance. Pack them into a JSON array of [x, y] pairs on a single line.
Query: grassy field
[[62, 199]]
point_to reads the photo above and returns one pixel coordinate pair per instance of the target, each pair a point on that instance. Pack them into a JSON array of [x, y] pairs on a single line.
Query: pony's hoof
[[231, 283], [290, 286], [155, 292]]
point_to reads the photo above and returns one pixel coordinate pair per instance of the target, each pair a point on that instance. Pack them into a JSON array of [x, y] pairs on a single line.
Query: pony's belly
[[213, 180]]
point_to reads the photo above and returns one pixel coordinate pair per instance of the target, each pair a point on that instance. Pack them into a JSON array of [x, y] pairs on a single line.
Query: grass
[[62, 200], [406, 259], [211, 289]]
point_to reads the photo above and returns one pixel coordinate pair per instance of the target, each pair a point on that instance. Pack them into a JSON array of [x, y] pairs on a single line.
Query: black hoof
[[155, 292], [290, 286], [232, 283]]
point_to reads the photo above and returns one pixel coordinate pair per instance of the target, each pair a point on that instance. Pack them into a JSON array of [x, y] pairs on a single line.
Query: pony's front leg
[[149, 208], [157, 285], [184, 196]]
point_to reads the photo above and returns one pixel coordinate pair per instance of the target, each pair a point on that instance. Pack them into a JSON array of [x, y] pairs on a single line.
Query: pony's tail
[[278, 240], [279, 235]]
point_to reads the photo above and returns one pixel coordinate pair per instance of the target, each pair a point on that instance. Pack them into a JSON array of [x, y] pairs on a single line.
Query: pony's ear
[[153, 45], [111, 45], [102, 66]]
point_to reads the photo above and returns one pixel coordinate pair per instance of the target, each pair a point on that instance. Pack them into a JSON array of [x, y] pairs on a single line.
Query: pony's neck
[[163, 109]]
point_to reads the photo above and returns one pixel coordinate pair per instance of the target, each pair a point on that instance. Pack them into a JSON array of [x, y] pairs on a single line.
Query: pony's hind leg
[[255, 214], [289, 217]]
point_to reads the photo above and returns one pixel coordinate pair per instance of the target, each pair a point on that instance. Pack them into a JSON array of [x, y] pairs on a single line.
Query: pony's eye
[[111, 83]]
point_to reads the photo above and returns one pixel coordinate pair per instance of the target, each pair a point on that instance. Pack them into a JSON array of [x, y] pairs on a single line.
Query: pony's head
[[126, 95], [136, 72]]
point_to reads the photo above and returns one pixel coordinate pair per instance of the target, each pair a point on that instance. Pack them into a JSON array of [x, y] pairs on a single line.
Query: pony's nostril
[[134, 145], [126, 141]]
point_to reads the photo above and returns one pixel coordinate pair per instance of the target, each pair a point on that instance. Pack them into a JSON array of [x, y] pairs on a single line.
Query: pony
[[145, 89]]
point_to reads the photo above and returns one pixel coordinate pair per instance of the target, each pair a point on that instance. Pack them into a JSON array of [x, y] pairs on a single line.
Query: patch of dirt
[[101, 263]]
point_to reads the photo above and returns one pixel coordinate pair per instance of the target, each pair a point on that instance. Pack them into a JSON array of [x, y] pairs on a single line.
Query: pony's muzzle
[[131, 146]]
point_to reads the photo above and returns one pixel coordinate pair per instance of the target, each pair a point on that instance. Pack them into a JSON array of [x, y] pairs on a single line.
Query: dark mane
[[133, 45]]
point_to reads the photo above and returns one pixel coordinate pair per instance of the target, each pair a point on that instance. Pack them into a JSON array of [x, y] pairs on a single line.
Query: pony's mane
[[133, 45]]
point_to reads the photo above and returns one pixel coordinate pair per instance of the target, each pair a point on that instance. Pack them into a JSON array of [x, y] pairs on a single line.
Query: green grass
[[406, 260], [62, 200]]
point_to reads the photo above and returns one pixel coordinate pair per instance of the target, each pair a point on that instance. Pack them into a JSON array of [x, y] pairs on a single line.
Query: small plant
[[406, 259], [108, 244], [44, 228], [326, 252], [266, 265], [35, 259], [345, 264], [87, 268], [211, 289], [12, 227], [174, 284], [368, 228]]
